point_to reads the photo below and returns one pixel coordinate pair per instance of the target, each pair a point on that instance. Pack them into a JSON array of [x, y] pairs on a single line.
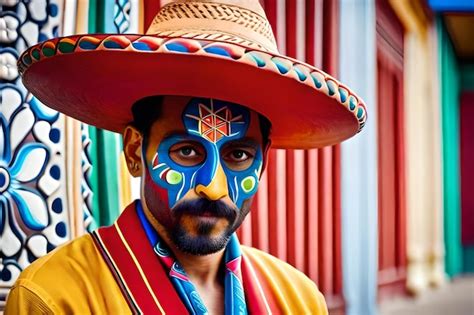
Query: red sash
[[144, 282]]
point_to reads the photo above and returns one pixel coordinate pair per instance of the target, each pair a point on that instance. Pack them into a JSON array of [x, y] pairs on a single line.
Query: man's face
[[203, 161]]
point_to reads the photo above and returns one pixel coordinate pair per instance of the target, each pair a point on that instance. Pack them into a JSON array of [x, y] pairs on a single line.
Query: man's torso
[[76, 279]]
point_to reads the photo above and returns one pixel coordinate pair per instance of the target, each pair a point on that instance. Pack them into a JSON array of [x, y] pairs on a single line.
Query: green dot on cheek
[[173, 177], [248, 184]]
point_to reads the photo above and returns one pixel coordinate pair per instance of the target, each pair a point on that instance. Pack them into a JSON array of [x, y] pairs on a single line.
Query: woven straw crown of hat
[[240, 22]]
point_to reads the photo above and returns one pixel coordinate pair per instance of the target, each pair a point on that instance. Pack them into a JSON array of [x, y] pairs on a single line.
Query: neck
[[203, 270]]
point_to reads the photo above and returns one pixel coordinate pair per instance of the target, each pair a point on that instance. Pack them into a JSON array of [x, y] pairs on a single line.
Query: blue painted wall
[[359, 160]]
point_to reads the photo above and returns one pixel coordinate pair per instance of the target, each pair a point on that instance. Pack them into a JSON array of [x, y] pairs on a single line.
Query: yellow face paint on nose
[[217, 188]]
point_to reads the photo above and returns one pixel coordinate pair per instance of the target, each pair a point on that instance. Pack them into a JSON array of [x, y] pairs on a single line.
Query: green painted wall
[[467, 77], [450, 90], [105, 145], [468, 259]]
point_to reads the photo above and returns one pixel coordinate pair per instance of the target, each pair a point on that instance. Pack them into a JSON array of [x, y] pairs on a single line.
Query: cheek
[[243, 186], [169, 178], [156, 195], [164, 173], [156, 198]]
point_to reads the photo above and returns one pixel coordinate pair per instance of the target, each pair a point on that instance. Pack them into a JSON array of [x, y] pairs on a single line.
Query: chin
[[201, 236]]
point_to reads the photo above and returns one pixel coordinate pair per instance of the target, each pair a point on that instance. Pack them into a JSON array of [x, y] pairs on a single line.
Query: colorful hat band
[[207, 17], [265, 61]]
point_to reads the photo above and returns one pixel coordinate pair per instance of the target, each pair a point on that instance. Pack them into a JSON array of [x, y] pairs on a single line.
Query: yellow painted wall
[[425, 247]]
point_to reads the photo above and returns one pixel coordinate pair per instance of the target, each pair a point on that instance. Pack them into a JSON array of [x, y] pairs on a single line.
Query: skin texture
[[196, 217]]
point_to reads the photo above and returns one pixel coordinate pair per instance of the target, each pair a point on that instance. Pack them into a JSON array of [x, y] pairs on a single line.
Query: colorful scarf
[[234, 298]]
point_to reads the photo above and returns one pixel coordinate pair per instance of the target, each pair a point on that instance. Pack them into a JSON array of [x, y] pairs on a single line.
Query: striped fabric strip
[[116, 273], [131, 259], [256, 296]]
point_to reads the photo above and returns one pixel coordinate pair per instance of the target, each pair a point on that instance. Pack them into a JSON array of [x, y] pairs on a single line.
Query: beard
[[182, 223]]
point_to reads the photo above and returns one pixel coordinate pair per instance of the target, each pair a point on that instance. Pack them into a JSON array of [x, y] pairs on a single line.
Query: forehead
[[214, 120], [211, 119]]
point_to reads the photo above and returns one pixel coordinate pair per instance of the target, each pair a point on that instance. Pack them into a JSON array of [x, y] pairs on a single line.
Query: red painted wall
[[296, 214], [391, 165], [151, 8], [467, 168]]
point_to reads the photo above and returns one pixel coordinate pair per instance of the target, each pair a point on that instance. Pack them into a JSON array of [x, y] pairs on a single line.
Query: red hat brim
[[97, 78]]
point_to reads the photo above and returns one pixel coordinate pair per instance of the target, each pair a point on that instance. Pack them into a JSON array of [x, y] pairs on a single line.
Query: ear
[[132, 148]]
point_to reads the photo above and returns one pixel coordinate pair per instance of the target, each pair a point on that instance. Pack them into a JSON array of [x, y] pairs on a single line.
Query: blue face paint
[[213, 124]]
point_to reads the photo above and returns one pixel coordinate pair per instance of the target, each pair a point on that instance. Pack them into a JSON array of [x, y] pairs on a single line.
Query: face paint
[[213, 124]]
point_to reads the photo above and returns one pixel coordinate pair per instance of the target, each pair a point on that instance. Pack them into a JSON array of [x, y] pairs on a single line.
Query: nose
[[217, 188]]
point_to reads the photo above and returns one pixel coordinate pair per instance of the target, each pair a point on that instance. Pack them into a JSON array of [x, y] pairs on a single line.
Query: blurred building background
[[383, 223]]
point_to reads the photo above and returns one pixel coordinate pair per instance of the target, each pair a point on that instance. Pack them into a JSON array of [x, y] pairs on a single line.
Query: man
[[194, 99]]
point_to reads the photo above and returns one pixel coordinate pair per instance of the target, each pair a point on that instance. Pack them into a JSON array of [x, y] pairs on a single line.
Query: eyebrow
[[245, 142], [178, 133]]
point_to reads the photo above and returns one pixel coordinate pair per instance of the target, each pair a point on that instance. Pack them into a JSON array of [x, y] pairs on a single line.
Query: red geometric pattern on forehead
[[213, 125]]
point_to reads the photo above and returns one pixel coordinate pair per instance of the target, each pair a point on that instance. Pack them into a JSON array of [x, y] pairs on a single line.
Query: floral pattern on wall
[[33, 205]]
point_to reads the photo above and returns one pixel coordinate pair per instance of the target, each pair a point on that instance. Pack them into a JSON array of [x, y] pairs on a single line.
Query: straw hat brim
[[97, 78]]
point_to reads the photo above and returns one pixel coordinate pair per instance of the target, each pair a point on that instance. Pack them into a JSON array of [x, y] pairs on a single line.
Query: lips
[[206, 215]]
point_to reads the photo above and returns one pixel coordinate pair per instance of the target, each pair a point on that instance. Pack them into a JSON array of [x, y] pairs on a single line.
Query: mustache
[[200, 206]]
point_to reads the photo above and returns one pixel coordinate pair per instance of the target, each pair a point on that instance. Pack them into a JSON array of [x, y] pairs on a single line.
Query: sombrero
[[214, 49]]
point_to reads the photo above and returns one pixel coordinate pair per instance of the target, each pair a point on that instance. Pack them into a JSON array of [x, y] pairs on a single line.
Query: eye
[[187, 153], [238, 159], [239, 155]]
